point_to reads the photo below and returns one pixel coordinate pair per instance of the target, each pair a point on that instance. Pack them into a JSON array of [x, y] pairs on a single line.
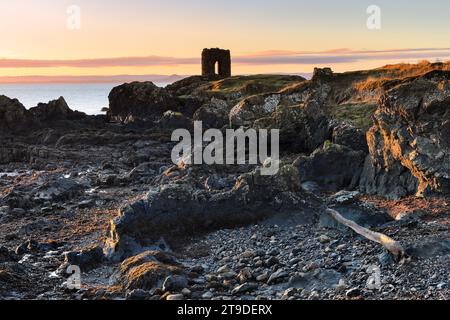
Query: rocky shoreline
[[101, 192]]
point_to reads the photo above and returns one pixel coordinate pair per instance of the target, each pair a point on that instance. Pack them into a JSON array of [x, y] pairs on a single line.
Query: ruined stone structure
[[322, 74], [209, 59]]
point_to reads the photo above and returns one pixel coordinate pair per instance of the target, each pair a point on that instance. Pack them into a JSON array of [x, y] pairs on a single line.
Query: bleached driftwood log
[[390, 244]]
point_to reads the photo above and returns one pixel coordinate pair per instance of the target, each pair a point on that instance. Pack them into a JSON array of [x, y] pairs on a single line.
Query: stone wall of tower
[[212, 56]]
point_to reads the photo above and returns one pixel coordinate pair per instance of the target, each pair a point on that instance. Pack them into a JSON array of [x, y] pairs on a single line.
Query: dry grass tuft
[[149, 275]]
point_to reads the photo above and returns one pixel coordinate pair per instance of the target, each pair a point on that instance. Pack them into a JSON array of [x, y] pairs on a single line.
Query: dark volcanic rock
[[174, 120], [430, 248], [86, 259], [333, 167], [175, 283], [13, 115], [13, 153], [297, 112], [395, 183], [139, 101], [350, 136], [187, 85], [13, 276], [43, 123], [214, 114], [302, 128], [59, 189], [51, 188], [409, 143], [256, 107], [55, 110], [7, 255], [32, 246], [180, 208]]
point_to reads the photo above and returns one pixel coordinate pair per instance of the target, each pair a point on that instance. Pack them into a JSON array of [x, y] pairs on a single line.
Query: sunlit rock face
[[410, 141]]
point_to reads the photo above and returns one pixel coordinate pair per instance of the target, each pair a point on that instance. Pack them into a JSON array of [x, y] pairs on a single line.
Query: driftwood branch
[[390, 244]]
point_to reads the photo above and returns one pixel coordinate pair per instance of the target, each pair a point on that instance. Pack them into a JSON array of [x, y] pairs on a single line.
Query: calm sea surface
[[86, 97]]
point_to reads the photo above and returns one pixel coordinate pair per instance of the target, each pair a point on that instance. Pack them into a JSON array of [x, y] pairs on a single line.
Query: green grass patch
[[255, 84], [357, 114]]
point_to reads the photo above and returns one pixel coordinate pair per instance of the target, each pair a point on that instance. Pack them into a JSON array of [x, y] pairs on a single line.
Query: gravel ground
[[303, 262]]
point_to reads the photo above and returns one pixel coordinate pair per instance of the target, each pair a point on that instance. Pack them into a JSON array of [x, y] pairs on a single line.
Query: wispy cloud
[[342, 51], [341, 55], [274, 57], [91, 79], [98, 63]]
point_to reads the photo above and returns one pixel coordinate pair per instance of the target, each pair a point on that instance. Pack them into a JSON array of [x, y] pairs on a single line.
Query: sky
[[164, 37]]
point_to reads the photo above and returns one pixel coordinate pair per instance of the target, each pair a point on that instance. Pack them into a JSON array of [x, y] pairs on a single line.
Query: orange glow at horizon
[[180, 29], [239, 69]]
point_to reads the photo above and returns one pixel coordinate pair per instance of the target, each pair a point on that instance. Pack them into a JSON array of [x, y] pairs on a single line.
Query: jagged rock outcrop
[[53, 190], [181, 207], [348, 135], [13, 115], [86, 259], [187, 86], [213, 114], [297, 112], [140, 101], [53, 111], [56, 114], [12, 153], [7, 255], [212, 101], [173, 120], [302, 127], [253, 108], [410, 141]]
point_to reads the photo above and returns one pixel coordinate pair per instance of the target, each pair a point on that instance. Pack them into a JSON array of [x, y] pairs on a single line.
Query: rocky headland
[[101, 192]]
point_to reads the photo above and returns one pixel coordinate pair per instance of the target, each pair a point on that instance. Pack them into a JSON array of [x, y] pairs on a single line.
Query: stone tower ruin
[[211, 57]]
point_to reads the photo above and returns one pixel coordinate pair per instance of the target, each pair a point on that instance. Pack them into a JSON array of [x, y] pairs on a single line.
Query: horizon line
[[31, 79], [270, 57], [120, 78], [156, 78]]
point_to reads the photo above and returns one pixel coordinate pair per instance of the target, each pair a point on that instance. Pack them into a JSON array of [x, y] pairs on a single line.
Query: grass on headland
[[255, 84], [360, 115]]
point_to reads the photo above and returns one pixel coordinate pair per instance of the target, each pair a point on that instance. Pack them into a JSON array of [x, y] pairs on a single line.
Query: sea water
[[89, 98]]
